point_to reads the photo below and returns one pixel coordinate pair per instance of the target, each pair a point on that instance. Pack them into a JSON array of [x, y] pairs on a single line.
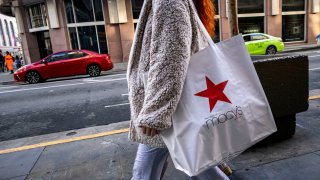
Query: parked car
[[64, 63], [259, 43]]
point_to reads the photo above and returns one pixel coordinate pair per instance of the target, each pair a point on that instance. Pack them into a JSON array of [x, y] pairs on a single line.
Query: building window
[[293, 28], [98, 10], [102, 39], [216, 37], [88, 38], [216, 6], [86, 25], [2, 34], [13, 34], [73, 37], [83, 10], [293, 5], [250, 6], [251, 25], [293, 20], [136, 8], [251, 16], [37, 15], [8, 32], [69, 11]]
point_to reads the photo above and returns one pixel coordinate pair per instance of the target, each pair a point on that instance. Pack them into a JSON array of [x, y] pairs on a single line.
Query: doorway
[[44, 43]]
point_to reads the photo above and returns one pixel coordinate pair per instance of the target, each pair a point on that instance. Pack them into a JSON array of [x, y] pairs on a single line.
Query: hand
[[149, 131]]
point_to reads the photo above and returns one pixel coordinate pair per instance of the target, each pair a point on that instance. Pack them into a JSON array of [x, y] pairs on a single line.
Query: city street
[[79, 102], [60, 105]]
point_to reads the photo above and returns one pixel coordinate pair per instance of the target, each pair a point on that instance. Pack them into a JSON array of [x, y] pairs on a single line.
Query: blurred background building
[[9, 36], [107, 26]]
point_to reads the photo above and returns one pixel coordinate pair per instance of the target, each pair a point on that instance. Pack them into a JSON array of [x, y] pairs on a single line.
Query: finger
[[143, 129], [148, 131], [153, 132]]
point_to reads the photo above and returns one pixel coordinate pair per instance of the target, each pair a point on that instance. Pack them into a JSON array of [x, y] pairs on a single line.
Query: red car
[[64, 63]]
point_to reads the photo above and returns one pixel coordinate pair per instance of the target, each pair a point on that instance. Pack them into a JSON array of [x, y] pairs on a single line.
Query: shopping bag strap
[[200, 24]]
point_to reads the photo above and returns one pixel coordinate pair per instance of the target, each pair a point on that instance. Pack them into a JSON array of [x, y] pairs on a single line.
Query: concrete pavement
[[104, 152]]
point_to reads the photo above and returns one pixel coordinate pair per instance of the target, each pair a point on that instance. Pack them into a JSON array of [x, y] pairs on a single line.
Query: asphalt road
[[60, 105], [79, 102]]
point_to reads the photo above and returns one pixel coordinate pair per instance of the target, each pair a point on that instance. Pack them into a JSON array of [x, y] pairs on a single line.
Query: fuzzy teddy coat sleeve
[[169, 58]]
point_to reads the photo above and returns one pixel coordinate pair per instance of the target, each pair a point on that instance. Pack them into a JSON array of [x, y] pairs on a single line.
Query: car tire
[[271, 50], [33, 77], [94, 70]]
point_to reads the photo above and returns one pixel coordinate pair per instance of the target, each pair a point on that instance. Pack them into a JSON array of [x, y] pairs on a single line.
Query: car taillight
[[108, 58]]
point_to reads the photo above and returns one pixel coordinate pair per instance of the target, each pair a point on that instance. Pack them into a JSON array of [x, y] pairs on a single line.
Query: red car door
[[75, 64], [54, 66]]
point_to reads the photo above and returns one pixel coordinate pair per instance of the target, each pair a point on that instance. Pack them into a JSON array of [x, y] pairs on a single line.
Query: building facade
[[9, 39], [107, 26]]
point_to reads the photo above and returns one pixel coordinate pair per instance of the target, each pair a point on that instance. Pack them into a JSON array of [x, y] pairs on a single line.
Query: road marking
[[301, 126], [62, 141], [115, 105], [314, 69], [8, 87], [63, 85], [124, 94], [115, 75], [314, 56], [314, 97]]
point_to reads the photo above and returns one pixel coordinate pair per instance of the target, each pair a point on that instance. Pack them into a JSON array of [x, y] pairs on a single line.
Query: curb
[[300, 49]]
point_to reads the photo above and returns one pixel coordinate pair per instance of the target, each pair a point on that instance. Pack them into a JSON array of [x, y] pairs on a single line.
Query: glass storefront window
[[73, 37], [293, 27], [44, 43], [251, 25], [216, 37], [98, 10], [88, 38], [37, 15], [250, 6], [136, 8], [216, 5], [69, 11], [102, 39], [88, 32], [83, 10], [293, 5]]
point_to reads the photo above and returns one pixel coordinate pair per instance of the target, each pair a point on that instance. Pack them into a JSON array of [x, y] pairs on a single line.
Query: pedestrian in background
[[17, 62], [1, 62], [166, 37], [9, 62]]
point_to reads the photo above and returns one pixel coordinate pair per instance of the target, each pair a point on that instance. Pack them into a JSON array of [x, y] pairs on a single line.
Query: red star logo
[[214, 93]]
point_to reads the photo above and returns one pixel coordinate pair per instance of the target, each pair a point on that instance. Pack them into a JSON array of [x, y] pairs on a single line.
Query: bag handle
[[201, 26]]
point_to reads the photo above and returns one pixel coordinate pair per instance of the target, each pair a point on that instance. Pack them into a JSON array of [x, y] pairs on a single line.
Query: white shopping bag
[[222, 111]]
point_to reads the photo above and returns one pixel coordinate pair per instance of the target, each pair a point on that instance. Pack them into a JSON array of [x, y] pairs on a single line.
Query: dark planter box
[[285, 81]]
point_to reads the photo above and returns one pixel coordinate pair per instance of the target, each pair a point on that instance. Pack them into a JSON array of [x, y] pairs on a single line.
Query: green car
[[259, 43]]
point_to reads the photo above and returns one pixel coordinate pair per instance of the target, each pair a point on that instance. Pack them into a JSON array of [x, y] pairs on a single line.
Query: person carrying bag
[[223, 109]]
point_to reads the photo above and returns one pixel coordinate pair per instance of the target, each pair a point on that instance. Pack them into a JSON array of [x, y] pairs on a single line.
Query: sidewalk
[[112, 156], [299, 47], [104, 152]]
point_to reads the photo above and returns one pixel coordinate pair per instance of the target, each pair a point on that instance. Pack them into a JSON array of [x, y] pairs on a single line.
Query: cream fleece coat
[[166, 37]]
